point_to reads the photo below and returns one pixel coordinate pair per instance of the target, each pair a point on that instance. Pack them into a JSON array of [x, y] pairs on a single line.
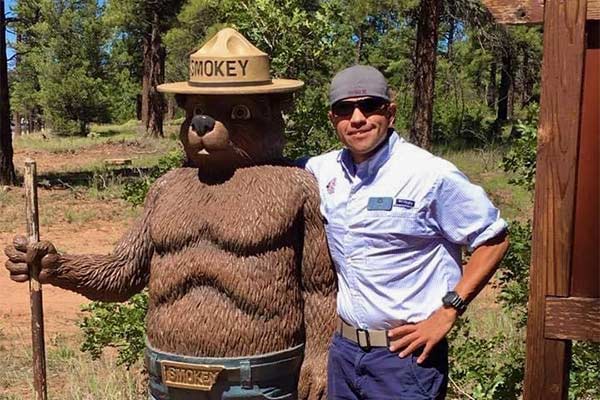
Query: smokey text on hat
[[216, 68]]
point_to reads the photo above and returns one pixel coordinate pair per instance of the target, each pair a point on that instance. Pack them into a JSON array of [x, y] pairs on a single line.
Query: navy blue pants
[[354, 373]]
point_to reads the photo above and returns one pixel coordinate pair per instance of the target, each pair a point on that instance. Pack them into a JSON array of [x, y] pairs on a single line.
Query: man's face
[[362, 124]]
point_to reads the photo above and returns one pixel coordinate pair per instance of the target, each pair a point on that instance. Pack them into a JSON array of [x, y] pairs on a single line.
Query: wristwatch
[[452, 299]]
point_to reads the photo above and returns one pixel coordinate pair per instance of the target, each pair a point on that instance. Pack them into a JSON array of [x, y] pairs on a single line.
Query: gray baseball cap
[[358, 81]]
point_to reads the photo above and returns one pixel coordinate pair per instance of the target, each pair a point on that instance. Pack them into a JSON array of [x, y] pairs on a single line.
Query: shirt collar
[[373, 164]]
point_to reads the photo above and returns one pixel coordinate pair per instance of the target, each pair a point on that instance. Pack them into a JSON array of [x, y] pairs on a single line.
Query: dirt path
[[61, 307]]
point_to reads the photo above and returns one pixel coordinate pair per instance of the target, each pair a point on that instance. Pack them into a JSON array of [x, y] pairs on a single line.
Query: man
[[396, 218]]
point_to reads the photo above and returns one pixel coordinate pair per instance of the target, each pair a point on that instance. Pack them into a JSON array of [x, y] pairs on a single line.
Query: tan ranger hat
[[229, 64]]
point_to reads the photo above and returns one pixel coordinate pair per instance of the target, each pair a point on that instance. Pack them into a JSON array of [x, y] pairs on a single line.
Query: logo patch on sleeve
[[404, 203], [331, 186]]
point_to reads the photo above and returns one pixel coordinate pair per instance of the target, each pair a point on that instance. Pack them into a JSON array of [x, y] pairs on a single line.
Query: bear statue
[[231, 247]]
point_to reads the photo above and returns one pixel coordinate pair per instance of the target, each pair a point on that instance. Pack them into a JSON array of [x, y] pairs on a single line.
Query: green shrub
[[513, 280], [117, 325], [485, 368], [584, 375], [521, 158], [135, 192]]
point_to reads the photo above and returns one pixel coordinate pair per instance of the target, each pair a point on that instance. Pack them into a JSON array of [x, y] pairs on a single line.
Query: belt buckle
[[189, 376], [367, 346]]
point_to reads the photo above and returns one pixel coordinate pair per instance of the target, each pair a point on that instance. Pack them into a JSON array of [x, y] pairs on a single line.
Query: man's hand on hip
[[426, 334]]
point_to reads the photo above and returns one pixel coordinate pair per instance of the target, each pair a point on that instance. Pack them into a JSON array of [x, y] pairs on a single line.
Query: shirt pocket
[[396, 229]]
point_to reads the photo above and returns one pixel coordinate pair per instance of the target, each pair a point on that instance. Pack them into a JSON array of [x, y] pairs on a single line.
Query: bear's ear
[[283, 102], [180, 99]]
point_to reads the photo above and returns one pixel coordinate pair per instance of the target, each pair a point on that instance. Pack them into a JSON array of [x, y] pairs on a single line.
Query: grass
[[71, 374], [104, 142]]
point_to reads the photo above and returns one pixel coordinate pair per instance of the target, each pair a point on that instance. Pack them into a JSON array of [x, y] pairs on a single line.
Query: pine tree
[[425, 62], [146, 22], [7, 169]]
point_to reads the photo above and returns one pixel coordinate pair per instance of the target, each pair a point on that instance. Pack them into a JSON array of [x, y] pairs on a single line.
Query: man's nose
[[358, 118], [202, 124]]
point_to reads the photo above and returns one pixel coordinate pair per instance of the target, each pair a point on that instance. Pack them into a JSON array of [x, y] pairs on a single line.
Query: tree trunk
[[528, 82], [146, 68], [505, 95], [7, 168], [31, 122], [492, 90], [153, 106], [425, 60], [171, 108], [451, 34], [359, 45], [17, 123], [17, 115]]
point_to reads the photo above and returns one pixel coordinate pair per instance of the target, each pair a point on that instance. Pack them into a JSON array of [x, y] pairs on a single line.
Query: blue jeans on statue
[[272, 376]]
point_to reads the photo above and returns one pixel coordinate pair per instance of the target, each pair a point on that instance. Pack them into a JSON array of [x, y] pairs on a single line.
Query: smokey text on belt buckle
[[189, 376]]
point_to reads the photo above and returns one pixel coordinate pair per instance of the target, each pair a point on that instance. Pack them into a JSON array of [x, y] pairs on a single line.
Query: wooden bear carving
[[232, 250]]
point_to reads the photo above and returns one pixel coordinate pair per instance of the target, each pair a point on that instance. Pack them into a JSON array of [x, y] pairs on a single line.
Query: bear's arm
[[116, 276], [319, 291]]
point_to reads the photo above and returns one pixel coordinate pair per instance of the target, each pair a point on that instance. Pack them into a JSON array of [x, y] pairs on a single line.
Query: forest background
[[75, 63]]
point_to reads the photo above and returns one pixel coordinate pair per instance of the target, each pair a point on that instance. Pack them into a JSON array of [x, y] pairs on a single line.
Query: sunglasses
[[367, 106]]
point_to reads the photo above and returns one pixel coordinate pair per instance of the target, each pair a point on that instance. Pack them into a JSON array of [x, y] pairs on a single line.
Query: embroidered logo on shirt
[[405, 203], [331, 186]]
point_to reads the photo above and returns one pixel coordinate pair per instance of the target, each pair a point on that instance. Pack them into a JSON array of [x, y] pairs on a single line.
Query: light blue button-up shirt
[[395, 226]]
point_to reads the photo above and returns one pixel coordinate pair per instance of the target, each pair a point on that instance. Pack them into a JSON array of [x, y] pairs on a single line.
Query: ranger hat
[[358, 81], [229, 64]]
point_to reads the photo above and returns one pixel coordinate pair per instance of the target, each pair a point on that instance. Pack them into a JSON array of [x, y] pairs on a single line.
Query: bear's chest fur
[[252, 212]]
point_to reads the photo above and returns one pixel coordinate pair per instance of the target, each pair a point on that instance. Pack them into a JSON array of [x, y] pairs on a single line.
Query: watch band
[[452, 299]]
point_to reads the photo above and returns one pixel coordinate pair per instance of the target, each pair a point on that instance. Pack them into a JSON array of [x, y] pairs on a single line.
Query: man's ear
[[391, 114], [331, 118]]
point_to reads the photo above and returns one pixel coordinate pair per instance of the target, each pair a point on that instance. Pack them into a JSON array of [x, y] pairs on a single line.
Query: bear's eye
[[197, 111], [240, 111]]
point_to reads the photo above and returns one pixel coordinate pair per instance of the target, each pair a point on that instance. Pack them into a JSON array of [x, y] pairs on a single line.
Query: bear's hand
[[21, 253], [313, 379]]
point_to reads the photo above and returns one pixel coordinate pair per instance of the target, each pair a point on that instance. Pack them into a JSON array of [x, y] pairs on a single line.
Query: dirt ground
[[71, 160], [61, 307], [97, 234]]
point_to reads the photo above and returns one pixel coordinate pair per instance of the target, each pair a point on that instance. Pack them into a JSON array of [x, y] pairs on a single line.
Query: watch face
[[448, 297]]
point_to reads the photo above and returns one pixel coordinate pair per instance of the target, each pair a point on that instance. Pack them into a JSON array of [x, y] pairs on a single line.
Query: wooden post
[[35, 288], [585, 279], [564, 294], [547, 364]]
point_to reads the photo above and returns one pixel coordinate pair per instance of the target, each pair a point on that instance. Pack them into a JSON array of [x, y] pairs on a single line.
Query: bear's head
[[233, 107], [224, 132]]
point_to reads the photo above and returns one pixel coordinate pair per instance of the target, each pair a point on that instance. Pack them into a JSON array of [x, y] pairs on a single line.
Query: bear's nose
[[202, 124]]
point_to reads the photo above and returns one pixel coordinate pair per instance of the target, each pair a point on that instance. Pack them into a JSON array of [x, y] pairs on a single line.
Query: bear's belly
[[207, 301]]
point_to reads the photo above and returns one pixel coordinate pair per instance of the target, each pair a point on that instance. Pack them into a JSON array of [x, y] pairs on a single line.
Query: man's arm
[[477, 272]]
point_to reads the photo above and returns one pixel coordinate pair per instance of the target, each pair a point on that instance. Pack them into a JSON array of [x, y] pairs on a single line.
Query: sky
[[9, 36]]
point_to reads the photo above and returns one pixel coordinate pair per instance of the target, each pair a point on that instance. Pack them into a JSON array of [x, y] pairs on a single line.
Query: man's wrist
[[452, 300]]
